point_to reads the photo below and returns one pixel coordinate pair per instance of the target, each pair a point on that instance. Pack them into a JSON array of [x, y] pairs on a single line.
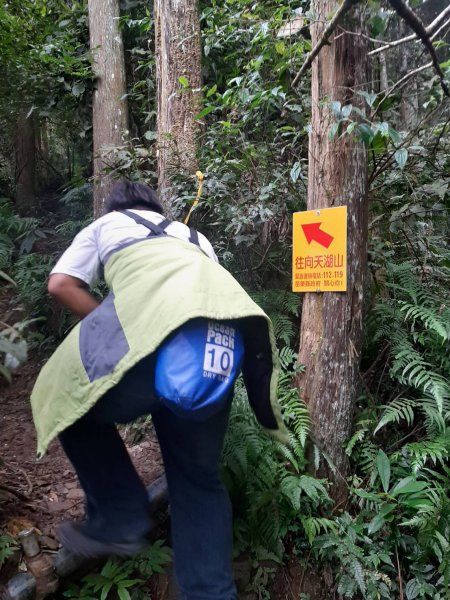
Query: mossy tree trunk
[[109, 106], [179, 83]]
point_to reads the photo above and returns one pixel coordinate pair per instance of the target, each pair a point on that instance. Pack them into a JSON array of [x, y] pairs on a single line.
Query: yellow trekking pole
[[200, 177]]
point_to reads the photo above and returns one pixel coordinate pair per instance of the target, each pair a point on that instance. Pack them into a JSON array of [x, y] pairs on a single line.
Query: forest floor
[[43, 493]]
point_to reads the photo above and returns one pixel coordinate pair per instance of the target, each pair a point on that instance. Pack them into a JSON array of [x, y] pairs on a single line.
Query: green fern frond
[[357, 437], [287, 357], [367, 458], [434, 451], [283, 327], [398, 410], [315, 526], [297, 416], [435, 421], [314, 488], [428, 317], [358, 572], [6, 250], [289, 454], [412, 369]]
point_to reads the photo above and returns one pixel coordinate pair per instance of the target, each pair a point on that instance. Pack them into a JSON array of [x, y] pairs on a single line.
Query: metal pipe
[[26, 586]]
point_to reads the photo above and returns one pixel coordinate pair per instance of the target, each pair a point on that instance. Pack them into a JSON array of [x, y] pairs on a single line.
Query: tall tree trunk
[[109, 106], [331, 332], [409, 105], [179, 82], [25, 163]]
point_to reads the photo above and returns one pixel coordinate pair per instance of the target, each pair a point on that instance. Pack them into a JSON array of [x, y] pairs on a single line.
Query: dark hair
[[127, 194]]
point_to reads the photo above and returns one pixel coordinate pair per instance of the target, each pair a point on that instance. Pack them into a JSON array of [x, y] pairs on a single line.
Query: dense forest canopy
[[253, 123]]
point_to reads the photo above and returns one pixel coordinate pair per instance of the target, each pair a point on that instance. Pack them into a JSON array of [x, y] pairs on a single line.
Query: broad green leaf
[[379, 143], [280, 47], [123, 593], [384, 469], [383, 128], [3, 275], [376, 524], [211, 91], [366, 133], [204, 112], [408, 485], [366, 495], [351, 127], [78, 88], [184, 82], [336, 107], [346, 110], [333, 131], [295, 171], [401, 156], [386, 508], [395, 136], [369, 97], [105, 590], [412, 589]]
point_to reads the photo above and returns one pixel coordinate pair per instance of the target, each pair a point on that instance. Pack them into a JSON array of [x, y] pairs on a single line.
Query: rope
[[200, 178]]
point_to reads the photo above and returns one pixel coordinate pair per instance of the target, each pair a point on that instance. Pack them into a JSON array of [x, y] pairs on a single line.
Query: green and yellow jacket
[[156, 286]]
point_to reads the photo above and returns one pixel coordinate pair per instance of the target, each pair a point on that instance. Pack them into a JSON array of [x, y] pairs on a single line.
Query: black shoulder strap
[[161, 228], [154, 229], [193, 237]]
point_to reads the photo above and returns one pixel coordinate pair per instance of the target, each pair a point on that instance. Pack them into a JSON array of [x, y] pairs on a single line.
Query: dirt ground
[[43, 493]]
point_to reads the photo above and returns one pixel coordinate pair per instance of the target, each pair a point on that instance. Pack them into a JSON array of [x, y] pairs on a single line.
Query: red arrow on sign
[[313, 232]]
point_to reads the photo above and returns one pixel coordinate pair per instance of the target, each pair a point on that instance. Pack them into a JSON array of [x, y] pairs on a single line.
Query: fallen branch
[[345, 7], [14, 492], [15, 468]]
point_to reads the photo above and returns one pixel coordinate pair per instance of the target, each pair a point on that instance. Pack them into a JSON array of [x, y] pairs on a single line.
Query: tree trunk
[[331, 331], [25, 164], [179, 83], [409, 105], [109, 106]]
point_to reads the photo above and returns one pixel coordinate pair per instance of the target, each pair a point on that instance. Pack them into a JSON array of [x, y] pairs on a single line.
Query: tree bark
[[109, 106], [25, 163], [409, 104], [178, 55], [331, 332]]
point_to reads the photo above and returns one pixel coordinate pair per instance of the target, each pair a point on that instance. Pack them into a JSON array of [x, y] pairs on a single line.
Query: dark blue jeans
[[116, 499]]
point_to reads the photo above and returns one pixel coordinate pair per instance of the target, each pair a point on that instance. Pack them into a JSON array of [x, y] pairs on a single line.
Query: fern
[[411, 368], [427, 316], [315, 526], [356, 438], [283, 309], [6, 250], [399, 409], [416, 321], [296, 415], [423, 452]]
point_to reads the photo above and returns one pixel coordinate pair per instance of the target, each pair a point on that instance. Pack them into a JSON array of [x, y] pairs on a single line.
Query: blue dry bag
[[197, 365]]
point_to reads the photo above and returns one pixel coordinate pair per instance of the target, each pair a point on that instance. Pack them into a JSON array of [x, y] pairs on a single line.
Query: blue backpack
[[197, 366]]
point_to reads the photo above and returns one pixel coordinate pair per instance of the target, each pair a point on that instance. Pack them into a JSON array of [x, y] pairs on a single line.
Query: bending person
[[166, 288]]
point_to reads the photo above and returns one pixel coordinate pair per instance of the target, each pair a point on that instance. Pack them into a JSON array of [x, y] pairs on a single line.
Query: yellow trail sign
[[319, 250]]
